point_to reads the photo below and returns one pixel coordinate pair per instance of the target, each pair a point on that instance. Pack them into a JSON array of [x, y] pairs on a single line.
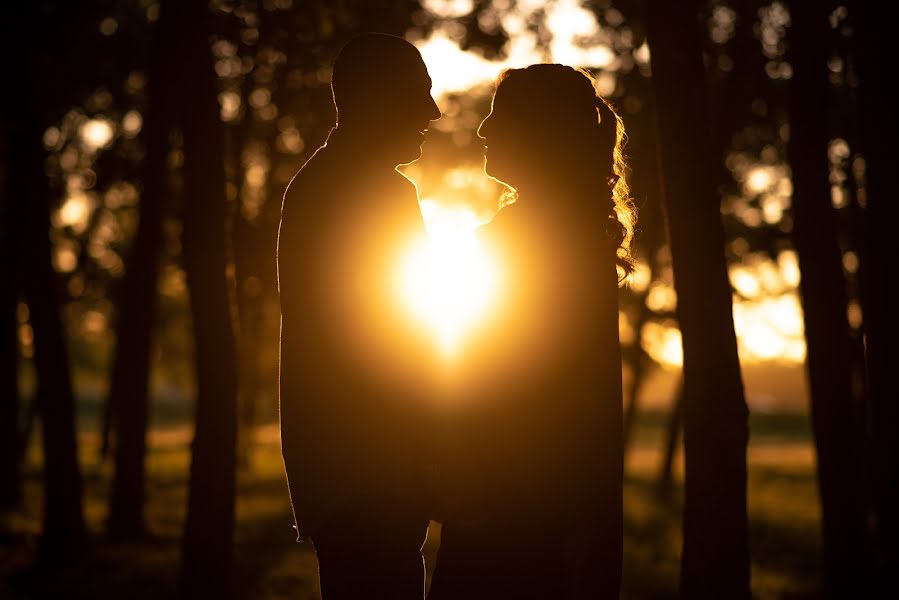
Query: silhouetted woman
[[535, 480]]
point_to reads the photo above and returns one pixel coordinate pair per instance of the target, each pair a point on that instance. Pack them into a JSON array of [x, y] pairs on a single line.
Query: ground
[[783, 505]]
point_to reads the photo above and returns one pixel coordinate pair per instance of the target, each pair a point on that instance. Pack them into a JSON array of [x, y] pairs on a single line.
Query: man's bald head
[[381, 87], [372, 63]]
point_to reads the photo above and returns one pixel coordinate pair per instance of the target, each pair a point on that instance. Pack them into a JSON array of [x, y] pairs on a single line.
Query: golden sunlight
[[759, 179], [449, 285], [451, 282], [575, 32], [97, 133], [74, 212], [767, 313]]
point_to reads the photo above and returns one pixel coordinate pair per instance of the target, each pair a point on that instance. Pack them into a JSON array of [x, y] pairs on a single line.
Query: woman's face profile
[[533, 137], [511, 150]]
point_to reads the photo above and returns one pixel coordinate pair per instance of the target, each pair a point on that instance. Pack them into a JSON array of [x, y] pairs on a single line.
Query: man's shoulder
[[312, 177], [317, 186], [326, 183]]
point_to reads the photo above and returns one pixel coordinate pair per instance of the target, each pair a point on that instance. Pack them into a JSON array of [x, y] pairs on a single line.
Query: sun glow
[[449, 281], [446, 293], [576, 40], [767, 313]]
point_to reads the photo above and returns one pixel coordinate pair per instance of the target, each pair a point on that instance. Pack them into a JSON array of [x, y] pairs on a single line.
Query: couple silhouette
[[525, 476]]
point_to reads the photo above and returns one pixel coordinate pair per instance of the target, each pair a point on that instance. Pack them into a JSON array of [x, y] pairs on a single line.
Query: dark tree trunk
[[209, 530], [716, 553], [63, 526], [672, 438], [735, 92], [249, 304], [876, 39], [836, 419], [640, 362], [653, 236], [249, 260], [129, 390], [10, 433]]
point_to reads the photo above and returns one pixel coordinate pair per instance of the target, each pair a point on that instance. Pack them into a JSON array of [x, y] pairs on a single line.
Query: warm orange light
[[448, 281], [97, 133], [767, 313], [575, 40], [75, 211]]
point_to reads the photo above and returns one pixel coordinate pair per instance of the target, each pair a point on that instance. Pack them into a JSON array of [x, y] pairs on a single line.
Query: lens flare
[[448, 281]]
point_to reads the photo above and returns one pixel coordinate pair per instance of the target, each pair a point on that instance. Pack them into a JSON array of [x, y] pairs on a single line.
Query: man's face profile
[[411, 112]]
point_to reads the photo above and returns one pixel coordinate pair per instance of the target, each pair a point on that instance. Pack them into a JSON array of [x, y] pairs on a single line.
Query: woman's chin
[[496, 172]]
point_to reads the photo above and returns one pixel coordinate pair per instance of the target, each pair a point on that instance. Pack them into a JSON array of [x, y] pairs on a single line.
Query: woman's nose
[[484, 127]]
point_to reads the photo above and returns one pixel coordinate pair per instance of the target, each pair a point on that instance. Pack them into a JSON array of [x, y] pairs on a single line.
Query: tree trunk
[[249, 260], [715, 554], [249, 305], [640, 362], [129, 390], [209, 530], [836, 420], [672, 439], [63, 524], [879, 99], [10, 433], [735, 92]]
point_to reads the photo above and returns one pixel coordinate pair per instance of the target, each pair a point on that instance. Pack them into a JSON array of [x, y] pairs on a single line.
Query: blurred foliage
[[272, 59]]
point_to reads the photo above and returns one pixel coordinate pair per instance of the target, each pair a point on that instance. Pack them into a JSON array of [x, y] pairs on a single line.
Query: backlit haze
[[450, 283], [95, 220], [767, 310]]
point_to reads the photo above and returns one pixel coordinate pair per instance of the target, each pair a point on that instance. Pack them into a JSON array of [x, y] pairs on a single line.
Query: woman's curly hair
[[578, 106], [622, 204]]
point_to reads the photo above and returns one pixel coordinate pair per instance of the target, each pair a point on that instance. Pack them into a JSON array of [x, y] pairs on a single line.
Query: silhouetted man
[[351, 370]]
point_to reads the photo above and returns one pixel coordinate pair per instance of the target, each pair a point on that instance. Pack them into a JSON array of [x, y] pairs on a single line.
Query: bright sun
[[451, 281]]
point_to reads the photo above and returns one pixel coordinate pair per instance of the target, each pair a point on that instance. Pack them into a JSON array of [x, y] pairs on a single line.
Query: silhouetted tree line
[[194, 166]]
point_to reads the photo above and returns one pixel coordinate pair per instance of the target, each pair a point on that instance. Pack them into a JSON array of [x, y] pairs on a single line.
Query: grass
[[784, 513], [783, 508]]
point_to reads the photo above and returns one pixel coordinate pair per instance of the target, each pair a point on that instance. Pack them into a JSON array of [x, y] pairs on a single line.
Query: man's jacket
[[352, 364]]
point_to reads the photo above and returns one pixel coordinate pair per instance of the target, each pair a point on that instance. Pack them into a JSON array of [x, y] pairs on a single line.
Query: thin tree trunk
[[250, 315], [879, 99], [639, 359], [248, 255], [736, 91], [672, 439], [638, 369], [836, 420], [129, 390], [716, 552], [209, 530]]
